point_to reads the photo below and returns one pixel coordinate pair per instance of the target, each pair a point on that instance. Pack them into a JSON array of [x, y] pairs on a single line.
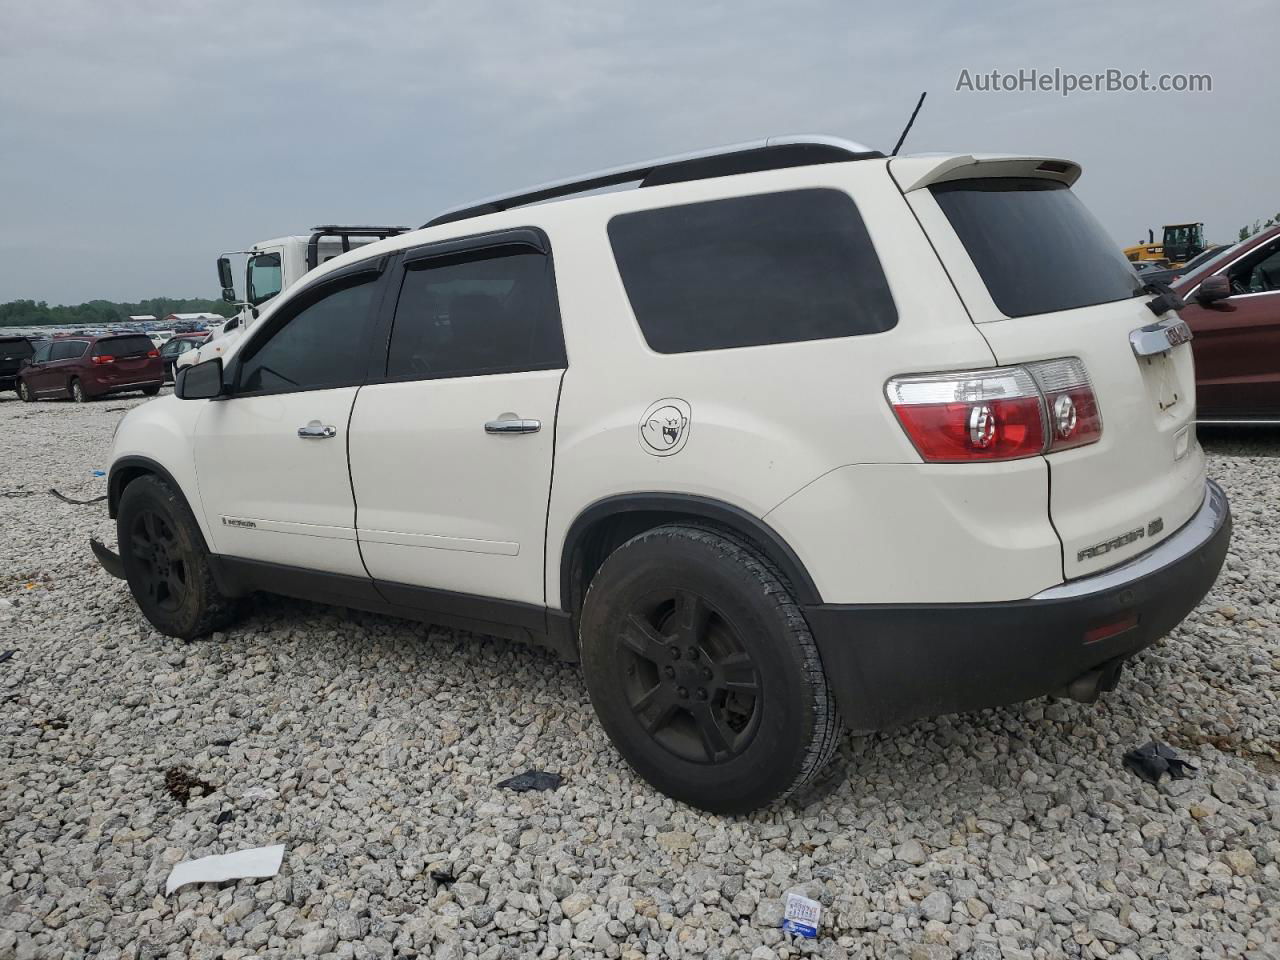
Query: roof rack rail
[[771, 153]]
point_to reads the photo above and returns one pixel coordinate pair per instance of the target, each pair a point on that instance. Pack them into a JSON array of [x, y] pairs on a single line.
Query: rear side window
[[491, 312], [15, 349], [746, 271], [123, 347], [1037, 247], [68, 349], [323, 345]]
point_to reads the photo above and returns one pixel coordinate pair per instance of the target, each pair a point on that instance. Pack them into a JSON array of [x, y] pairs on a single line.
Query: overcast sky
[[138, 140]]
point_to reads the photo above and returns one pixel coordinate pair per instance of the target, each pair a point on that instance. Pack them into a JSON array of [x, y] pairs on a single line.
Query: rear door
[[1237, 340], [64, 359], [123, 361], [271, 458], [1042, 280], [451, 455]]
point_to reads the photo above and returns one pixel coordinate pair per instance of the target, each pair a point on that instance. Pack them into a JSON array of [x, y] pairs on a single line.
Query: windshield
[[1037, 247]]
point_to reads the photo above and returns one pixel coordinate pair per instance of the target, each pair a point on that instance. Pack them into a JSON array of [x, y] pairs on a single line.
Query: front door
[[36, 373], [1237, 342], [271, 458], [451, 455]]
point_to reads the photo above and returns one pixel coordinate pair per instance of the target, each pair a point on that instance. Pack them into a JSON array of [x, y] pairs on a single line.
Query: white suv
[[792, 437]]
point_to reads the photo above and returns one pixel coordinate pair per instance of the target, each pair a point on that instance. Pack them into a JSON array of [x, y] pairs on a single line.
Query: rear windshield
[[1036, 246], [746, 271], [123, 347], [15, 349]]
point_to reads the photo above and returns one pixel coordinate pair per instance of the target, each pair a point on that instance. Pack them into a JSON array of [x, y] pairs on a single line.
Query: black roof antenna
[[907, 129]]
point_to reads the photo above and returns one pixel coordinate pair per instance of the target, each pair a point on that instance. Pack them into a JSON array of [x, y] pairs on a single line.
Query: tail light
[[1000, 413], [153, 354], [104, 358]]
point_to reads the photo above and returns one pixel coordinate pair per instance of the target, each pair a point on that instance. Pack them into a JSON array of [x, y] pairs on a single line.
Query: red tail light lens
[[104, 358], [1000, 413], [1073, 410], [152, 354]]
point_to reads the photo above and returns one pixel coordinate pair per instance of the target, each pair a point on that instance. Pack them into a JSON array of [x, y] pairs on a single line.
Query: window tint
[[745, 271], [123, 347], [15, 349], [1036, 246], [494, 312], [68, 349], [321, 346]]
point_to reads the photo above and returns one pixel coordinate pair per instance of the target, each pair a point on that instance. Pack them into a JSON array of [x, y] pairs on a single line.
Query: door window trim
[[462, 249], [373, 271]]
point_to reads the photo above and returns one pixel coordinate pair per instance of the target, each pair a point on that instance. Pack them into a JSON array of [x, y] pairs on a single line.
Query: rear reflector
[[999, 413], [1108, 630]]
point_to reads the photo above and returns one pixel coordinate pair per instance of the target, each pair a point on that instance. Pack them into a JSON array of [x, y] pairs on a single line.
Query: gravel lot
[[372, 748]]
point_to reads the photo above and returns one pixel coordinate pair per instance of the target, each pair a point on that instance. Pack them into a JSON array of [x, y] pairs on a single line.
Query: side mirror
[[201, 381], [226, 280], [1213, 289]]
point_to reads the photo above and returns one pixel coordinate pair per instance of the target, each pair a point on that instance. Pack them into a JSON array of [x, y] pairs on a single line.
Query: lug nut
[[670, 672], [706, 674], [702, 694], [675, 652], [693, 653], [684, 693]]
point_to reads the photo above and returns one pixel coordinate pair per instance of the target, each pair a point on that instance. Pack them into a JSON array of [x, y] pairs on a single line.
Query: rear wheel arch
[[607, 524]]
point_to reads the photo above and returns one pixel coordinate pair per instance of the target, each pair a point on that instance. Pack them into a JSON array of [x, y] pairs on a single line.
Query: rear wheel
[[703, 671], [167, 563], [77, 390], [151, 391], [24, 392]]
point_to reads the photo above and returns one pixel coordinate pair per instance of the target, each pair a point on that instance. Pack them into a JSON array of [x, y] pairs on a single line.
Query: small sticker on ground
[[801, 916]]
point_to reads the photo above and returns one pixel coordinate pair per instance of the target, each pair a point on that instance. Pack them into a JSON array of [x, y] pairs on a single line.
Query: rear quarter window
[[747, 271], [1036, 246]]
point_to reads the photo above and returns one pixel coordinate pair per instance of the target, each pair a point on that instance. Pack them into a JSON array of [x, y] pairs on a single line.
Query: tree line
[[103, 313]]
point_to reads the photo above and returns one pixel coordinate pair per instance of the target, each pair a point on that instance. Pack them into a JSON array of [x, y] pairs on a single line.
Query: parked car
[[14, 352], [91, 366], [175, 347], [1233, 310], [1169, 274], [802, 402]]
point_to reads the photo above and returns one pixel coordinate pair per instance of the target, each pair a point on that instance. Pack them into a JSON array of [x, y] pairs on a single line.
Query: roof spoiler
[[922, 170]]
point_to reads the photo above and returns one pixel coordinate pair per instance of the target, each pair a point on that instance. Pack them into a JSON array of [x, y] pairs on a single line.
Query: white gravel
[[371, 749]]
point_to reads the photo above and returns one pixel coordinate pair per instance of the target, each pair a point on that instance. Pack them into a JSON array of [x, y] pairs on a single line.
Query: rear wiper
[[1166, 298]]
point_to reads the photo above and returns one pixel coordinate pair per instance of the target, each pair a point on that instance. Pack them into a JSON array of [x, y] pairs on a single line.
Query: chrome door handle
[[315, 430], [513, 426]]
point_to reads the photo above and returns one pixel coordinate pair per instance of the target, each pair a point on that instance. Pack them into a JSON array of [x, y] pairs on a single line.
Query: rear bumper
[[890, 664]]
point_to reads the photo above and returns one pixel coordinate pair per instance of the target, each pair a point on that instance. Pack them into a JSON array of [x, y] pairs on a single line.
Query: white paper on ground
[[258, 862]]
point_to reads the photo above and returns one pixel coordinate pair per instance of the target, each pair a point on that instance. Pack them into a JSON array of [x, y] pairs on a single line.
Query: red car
[[84, 367], [1233, 309]]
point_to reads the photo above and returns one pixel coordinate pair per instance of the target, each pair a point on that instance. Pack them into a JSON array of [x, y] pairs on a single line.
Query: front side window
[[42, 354], [322, 345], [263, 277], [746, 271], [1259, 272], [1036, 246], [491, 312]]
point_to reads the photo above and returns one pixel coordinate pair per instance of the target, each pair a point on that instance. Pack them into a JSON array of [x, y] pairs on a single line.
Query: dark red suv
[[84, 367]]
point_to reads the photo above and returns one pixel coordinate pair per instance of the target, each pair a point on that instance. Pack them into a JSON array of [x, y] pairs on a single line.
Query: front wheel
[[703, 671], [151, 391], [24, 392], [166, 562]]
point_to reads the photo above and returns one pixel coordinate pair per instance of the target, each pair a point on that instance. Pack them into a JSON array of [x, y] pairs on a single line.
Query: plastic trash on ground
[[258, 862], [801, 916]]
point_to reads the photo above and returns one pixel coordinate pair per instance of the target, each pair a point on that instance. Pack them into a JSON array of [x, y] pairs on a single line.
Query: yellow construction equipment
[[1180, 243]]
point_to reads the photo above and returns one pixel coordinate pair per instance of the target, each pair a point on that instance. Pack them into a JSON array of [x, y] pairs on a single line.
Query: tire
[[76, 389], [150, 391], [24, 392], [166, 562], [703, 672]]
